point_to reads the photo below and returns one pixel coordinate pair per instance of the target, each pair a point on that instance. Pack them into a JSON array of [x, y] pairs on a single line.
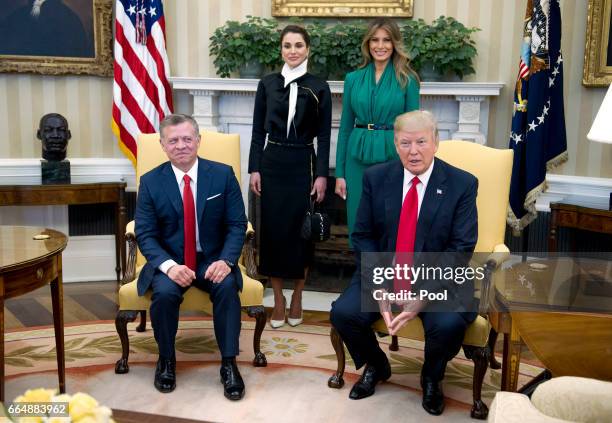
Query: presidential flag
[[538, 121], [141, 92]]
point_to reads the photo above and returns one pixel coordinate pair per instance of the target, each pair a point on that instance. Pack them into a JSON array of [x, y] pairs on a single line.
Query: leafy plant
[[447, 44], [237, 43]]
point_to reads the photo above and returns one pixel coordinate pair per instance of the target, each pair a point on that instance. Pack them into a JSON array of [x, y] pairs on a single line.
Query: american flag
[[141, 92]]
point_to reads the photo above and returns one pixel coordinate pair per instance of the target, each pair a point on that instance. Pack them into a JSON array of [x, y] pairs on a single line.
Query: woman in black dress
[[291, 109]]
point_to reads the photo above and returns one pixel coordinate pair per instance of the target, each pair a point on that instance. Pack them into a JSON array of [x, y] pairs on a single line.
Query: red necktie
[[189, 226], [406, 233]]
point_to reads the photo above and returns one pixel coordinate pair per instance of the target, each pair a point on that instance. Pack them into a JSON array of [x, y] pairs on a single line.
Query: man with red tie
[[190, 226], [417, 204]]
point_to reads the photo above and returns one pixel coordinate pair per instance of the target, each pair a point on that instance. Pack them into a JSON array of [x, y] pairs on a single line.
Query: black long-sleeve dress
[[288, 166]]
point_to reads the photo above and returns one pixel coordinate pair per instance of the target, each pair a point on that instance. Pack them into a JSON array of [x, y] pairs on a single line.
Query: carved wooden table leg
[[57, 295], [512, 360]]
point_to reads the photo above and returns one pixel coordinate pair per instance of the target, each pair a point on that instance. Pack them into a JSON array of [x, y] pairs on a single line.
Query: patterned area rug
[[300, 361]]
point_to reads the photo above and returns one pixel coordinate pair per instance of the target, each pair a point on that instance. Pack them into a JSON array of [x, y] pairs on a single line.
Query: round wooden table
[[27, 263]]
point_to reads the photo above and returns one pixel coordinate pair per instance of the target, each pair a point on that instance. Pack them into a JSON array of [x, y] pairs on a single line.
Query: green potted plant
[[441, 49], [245, 47]]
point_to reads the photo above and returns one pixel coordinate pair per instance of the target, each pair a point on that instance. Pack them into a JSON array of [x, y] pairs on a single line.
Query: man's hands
[[217, 271], [411, 309], [385, 311], [182, 275]]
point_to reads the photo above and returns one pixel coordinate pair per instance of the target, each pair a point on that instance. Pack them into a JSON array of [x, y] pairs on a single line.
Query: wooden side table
[[67, 194], [548, 303], [25, 265], [575, 216]]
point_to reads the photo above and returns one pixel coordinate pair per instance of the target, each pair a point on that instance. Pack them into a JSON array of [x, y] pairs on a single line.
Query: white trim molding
[[580, 190], [222, 104]]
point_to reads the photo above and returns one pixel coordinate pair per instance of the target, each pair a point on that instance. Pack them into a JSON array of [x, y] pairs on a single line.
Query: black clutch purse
[[316, 225]]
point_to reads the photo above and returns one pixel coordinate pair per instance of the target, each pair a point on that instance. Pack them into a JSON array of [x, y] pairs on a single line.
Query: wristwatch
[[229, 263]]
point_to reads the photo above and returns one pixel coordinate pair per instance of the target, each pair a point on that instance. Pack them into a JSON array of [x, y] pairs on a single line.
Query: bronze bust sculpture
[[54, 133]]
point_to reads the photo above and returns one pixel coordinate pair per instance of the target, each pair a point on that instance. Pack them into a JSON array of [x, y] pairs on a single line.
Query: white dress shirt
[[193, 175], [423, 177]]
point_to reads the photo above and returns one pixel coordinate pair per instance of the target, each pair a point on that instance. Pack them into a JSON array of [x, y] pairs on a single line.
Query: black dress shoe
[[433, 398], [366, 384], [165, 375], [233, 385]]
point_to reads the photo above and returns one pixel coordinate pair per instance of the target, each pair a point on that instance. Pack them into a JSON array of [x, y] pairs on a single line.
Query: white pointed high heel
[[275, 324], [295, 322]]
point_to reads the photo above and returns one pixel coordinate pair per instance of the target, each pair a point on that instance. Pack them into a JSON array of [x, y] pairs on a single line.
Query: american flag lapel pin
[[439, 191]]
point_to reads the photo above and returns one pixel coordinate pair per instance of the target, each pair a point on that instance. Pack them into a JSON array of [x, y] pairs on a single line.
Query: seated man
[[437, 215], [190, 226]]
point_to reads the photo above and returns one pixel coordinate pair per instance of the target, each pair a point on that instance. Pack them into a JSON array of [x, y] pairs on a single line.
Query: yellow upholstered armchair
[[224, 148], [493, 169]]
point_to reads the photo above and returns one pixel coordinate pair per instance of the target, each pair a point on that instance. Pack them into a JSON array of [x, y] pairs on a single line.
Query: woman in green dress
[[384, 87]]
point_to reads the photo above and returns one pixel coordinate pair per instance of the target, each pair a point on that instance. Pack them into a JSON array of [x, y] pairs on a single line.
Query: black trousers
[[167, 298], [444, 333]]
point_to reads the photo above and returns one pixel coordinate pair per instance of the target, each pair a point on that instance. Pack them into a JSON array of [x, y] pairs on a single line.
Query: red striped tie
[[189, 226], [406, 233]]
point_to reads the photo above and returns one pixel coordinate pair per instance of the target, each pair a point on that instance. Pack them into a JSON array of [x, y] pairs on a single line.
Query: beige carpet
[[292, 388]]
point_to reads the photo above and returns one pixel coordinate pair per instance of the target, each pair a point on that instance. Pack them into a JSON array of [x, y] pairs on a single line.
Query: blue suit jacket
[[448, 220], [159, 219]]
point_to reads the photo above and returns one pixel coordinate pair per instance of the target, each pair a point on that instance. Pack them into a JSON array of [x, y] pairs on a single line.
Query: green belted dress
[[367, 102]]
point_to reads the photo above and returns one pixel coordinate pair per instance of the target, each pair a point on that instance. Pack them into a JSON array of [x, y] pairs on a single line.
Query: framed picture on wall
[[343, 8], [56, 37], [598, 50]]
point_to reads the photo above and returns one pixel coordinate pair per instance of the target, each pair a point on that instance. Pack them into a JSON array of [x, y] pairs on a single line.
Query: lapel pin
[[438, 191]]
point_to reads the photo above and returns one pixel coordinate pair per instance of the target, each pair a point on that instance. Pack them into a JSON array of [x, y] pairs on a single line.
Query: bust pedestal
[[55, 172]]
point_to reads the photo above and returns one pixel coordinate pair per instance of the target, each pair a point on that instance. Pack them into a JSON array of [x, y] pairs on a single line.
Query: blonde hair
[[401, 62], [417, 120]]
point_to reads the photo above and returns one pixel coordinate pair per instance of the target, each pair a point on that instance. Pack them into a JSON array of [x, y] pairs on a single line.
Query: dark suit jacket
[[159, 219], [448, 220]]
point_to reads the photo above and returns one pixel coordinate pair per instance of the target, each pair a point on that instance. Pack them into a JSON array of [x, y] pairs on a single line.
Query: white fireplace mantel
[[226, 105], [462, 107]]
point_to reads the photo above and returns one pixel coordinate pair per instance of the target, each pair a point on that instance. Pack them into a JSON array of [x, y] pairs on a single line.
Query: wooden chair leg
[[259, 313], [480, 357], [393, 346], [121, 321], [493, 363], [336, 381], [143, 321]]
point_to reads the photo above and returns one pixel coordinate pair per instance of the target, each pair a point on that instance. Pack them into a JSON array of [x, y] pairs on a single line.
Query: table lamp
[[601, 130]]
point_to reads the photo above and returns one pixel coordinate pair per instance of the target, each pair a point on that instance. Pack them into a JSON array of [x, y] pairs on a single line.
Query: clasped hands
[[410, 309], [184, 276]]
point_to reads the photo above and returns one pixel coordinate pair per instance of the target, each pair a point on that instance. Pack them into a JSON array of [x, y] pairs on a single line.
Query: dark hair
[[295, 29], [177, 119]]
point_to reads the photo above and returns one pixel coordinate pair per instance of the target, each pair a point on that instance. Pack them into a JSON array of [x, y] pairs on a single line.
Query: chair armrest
[[494, 260], [129, 272], [247, 258], [500, 254], [574, 399], [510, 407]]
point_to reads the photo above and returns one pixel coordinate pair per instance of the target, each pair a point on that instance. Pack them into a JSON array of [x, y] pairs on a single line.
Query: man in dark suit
[[190, 226], [442, 206]]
